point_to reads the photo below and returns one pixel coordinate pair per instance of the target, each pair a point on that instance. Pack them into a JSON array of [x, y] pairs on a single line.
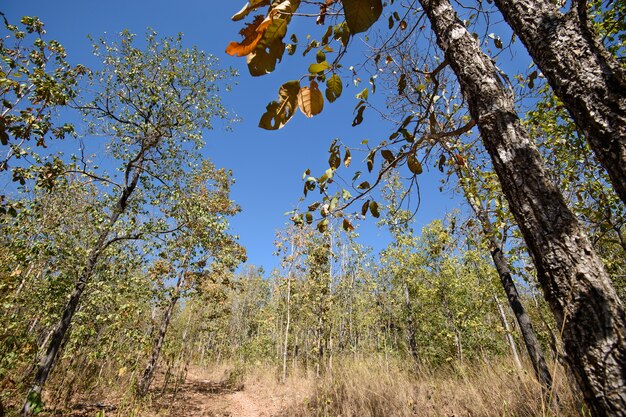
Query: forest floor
[[209, 395]]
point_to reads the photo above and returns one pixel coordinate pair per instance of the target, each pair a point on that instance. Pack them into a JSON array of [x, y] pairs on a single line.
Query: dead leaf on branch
[[310, 100], [278, 113], [252, 33]]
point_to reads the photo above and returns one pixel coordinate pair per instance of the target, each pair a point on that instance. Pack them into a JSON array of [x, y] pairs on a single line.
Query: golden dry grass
[[374, 389]]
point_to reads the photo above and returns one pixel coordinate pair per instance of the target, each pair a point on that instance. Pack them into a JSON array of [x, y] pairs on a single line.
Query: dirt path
[[200, 397]]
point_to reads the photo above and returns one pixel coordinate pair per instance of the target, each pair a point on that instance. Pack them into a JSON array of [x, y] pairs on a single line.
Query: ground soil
[[207, 396]]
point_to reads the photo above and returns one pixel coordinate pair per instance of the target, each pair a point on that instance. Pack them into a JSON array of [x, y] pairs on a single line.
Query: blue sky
[[268, 166]]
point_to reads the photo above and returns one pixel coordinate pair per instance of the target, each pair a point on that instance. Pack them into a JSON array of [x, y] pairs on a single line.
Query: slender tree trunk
[[410, 326], [582, 73], [570, 272], [533, 347], [33, 398], [509, 336], [148, 373], [286, 344]]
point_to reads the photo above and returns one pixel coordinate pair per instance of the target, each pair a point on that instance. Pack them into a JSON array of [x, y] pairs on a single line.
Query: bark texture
[[588, 80], [61, 330], [571, 274]]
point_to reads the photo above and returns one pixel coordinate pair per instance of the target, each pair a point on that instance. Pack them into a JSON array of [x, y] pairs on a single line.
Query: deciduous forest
[[125, 290]]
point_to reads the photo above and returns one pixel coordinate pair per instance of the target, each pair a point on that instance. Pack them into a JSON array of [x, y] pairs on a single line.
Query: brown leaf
[[252, 33], [310, 100], [348, 158]]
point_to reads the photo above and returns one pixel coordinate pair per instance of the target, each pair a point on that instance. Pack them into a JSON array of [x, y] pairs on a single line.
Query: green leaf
[[345, 194], [317, 68], [361, 14], [328, 174], [278, 113], [363, 95], [334, 88]]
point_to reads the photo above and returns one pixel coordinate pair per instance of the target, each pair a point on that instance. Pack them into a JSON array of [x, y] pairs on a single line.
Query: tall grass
[[373, 389]]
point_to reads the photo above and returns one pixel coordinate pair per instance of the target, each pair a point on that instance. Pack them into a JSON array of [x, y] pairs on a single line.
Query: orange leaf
[[252, 33]]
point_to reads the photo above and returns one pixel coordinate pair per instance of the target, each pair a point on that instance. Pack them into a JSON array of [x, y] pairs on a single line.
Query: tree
[[35, 79], [153, 105], [583, 74], [571, 274], [200, 208]]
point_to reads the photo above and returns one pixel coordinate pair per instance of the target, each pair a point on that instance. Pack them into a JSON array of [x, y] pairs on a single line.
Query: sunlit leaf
[[310, 100], [333, 88], [252, 33], [318, 67]]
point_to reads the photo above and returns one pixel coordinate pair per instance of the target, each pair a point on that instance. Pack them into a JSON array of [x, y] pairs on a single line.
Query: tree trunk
[[533, 347], [33, 398], [509, 336], [286, 344], [148, 373], [582, 73], [410, 326], [570, 272]]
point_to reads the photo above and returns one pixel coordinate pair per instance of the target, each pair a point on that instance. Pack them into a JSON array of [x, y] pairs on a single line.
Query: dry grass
[[370, 387], [374, 389]]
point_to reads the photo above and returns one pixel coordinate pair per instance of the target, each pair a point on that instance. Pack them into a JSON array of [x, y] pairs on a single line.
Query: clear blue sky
[[268, 166]]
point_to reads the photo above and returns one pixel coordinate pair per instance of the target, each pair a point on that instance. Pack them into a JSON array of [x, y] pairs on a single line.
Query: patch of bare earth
[[205, 395]]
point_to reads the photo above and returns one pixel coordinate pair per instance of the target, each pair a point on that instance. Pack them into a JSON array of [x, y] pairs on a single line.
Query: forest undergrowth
[[355, 387]]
